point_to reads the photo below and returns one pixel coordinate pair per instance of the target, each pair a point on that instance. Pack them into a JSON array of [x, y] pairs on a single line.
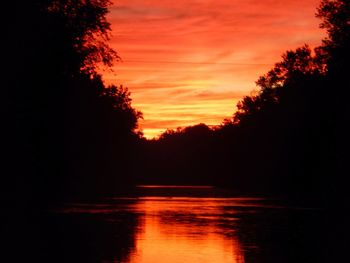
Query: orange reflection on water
[[179, 230]]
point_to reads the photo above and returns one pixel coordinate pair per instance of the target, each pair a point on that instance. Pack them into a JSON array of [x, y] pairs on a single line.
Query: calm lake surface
[[187, 224]]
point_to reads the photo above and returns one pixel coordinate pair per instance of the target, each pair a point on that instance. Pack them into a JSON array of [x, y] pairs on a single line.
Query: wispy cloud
[[206, 53]]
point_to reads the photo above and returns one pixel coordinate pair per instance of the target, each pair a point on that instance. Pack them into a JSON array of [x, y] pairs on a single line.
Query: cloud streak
[[203, 53]]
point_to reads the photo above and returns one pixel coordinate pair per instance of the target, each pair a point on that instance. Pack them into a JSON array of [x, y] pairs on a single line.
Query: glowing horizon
[[190, 62]]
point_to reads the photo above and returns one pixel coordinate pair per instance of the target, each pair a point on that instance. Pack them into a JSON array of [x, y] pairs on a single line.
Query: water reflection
[[187, 228], [178, 230]]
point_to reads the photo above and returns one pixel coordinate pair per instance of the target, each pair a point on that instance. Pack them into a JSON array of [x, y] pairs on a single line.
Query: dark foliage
[[288, 139], [69, 131], [66, 135]]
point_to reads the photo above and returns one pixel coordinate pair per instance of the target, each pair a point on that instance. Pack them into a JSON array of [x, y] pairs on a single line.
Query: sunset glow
[[189, 61], [184, 241]]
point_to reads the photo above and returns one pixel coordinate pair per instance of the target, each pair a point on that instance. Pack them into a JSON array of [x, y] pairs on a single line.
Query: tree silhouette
[[86, 31], [118, 97], [61, 108], [288, 137], [63, 137], [335, 19]]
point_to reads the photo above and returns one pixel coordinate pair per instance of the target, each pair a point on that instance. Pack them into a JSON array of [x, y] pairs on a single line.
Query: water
[[187, 224]]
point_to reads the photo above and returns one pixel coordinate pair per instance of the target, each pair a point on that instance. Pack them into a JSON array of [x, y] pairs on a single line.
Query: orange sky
[[190, 61]]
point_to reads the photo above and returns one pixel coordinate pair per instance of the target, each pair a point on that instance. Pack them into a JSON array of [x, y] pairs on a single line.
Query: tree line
[[67, 134], [289, 139]]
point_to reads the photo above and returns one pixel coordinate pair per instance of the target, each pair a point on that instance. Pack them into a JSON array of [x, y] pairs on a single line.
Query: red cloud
[[202, 56]]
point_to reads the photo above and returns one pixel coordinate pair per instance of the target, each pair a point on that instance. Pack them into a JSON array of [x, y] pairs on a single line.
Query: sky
[[190, 61]]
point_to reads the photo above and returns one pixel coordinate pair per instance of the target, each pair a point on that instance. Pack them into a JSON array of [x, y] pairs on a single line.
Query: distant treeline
[[67, 134], [290, 138]]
